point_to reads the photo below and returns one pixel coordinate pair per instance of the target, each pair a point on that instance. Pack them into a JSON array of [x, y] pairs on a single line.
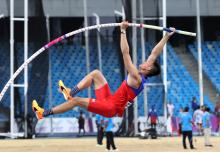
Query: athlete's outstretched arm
[[159, 47], [132, 70]]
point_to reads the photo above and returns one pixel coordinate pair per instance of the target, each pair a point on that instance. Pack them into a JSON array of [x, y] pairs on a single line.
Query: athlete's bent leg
[[95, 77]]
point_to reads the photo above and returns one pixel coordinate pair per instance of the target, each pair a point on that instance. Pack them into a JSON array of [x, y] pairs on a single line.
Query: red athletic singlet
[[110, 105]]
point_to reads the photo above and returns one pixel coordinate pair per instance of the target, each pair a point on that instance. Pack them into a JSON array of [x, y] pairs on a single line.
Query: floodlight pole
[[134, 57], [143, 56], [26, 67], [49, 72], [164, 10], [12, 67], [87, 42], [199, 52], [98, 41]]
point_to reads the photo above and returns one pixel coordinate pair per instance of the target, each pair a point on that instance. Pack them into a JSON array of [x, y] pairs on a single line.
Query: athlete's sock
[[74, 91], [47, 112]]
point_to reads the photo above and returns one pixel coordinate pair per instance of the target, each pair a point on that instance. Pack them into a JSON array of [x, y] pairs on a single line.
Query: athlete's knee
[[82, 102], [72, 101], [96, 73], [76, 100]]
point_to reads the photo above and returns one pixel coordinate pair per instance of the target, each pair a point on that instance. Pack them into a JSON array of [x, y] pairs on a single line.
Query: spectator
[[197, 117], [81, 122], [153, 117], [217, 114], [170, 109], [194, 104], [100, 129], [186, 123], [206, 124], [109, 134], [179, 117], [181, 110]]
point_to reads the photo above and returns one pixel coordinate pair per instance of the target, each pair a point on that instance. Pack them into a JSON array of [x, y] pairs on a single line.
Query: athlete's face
[[145, 68]]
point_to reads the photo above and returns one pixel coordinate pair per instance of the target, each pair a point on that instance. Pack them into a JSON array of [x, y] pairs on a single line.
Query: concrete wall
[[3, 7], [188, 7], [74, 8], [33, 9]]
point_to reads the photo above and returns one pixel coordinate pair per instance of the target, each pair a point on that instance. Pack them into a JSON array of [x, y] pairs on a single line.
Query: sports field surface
[[88, 144]]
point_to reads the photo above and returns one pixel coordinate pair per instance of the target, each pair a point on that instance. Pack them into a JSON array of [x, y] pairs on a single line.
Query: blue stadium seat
[[68, 64], [5, 71], [182, 87], [211, 62]]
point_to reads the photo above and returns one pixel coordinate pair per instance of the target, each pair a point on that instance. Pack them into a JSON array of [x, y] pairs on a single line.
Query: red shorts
[[103, 104]]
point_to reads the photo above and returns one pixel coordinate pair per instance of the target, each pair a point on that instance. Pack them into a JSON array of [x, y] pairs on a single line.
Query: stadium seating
[[182, 86], [68, 62], [210, 58], [4, 71], [19, 49]]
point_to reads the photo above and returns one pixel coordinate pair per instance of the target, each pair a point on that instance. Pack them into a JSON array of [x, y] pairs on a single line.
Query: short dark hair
[[207, 109], [186, 109], [155, 70]]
